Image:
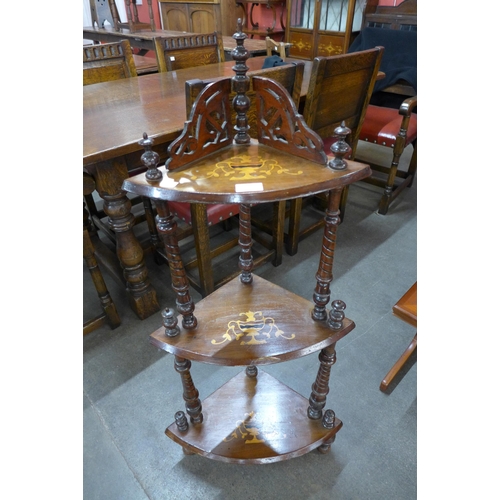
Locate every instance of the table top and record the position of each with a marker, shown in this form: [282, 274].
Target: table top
[406, 307]
[251, 44]
[117, 113]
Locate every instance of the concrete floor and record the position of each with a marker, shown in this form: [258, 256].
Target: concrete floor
[131, 390]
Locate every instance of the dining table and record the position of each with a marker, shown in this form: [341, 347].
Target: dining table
[144, 39]
[115, 116]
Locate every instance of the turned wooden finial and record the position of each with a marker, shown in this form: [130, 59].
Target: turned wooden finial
[340, 148]
[328, 419]
[241, 84]
[150, 159]
[181, 421]
[170, 323]
[336, 315]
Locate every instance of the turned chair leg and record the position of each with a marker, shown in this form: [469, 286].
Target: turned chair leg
[110, 314]
[412, 169]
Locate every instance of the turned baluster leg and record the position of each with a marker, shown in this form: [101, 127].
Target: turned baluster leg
[324, 276]
[320, 389]
[167, 228]
[142, 297]
[190, 394]
[128, 12]
[114, 15]
[109, 177]
[135, 12]
[245, 242]
[151, 16]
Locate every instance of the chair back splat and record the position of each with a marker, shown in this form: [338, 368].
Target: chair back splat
[108, 61]
[339, 91]
[187, 51]
[249, 321]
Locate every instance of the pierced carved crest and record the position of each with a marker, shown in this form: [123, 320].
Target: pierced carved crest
[208, 129]
[279, 124]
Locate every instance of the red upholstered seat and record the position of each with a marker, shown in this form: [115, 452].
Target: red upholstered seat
[382, 125]
[395, 129]
[215, 213]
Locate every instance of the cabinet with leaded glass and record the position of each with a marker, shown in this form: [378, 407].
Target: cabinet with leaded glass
[322, 27]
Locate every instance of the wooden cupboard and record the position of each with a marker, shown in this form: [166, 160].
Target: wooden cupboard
[322, 27]
[199, 16]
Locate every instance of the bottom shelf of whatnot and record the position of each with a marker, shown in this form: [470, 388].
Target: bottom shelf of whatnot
[255, 420]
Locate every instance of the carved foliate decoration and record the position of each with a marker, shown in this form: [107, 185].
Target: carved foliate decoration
[279, 124]
[208, 129]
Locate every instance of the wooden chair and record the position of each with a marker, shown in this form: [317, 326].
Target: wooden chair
[133, 23]
[249, 322]
[278, 48]
[405, 309]
[395, 129]
[202, 216]
[391, 119]
[109, 313]
[339, 91]
[186, 51]
[107, 61]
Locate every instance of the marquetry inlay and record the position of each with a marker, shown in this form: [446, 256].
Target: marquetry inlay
[248, 431]
[255, 329]
[330, 49]
[245, 167]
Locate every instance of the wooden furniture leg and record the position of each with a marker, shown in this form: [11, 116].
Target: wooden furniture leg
[109, 314]
[398, 365]
[202, 241]
[317, 400]
[109, 176]
[405, 309]
[193, 403]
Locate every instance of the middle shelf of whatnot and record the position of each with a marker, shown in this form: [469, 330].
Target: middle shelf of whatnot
[254, 323]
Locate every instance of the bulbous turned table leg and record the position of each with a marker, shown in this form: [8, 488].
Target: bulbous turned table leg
[142, 296]
[109, 176]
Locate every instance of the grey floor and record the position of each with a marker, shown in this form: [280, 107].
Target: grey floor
[131, 391]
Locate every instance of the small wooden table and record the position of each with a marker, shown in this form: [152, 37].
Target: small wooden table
[144, 39]
[115, 115]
